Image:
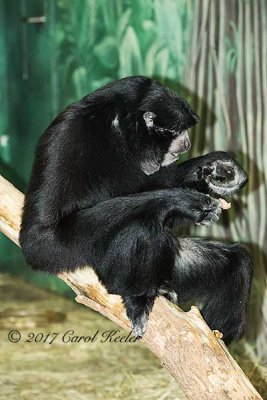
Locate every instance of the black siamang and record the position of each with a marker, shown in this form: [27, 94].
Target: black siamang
[105, 190]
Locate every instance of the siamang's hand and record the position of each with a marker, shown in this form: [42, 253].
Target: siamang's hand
[205, 209]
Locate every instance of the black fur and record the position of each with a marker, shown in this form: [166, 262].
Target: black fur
[99, 195]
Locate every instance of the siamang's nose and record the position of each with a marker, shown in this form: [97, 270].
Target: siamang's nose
[187, 144]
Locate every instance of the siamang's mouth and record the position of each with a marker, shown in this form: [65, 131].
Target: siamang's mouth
[181, 144]
[224, 189]
[221, 190]
[221, 193]
[183, 150]
[226, 186]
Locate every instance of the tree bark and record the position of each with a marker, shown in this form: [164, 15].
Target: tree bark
[185, 345]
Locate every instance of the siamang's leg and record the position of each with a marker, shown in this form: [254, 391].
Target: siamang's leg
[139, 253]
[138, 309]
[217, 277]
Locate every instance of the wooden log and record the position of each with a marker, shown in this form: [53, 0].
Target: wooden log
[185, 345]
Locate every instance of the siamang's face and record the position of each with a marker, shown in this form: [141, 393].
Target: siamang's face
[167, 121]
[225, 177]
[222, 177]
[177, 140]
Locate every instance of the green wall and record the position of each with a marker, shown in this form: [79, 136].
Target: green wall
[81, 46]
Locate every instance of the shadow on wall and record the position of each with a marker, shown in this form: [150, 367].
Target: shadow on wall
[239, 204]
[208, 117]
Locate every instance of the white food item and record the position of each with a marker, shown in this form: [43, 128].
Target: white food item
[224, 204]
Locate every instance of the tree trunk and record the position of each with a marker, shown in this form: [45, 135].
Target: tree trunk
[194, 355]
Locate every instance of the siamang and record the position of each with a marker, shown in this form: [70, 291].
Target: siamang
[105, 190]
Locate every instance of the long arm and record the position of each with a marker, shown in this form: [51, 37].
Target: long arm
[217, 167]
[86, 236]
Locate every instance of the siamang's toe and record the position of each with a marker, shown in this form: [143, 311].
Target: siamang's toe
[139, 325]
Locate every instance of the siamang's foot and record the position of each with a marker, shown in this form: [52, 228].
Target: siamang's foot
[138, 309]
[230, 323]
[168, 293]
[139, 325]
[210, 211]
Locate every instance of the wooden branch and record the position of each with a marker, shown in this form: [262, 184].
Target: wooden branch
[194, 355]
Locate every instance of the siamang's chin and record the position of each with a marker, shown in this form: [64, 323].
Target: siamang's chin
[169, 158]
[225, 190]
[220, 190]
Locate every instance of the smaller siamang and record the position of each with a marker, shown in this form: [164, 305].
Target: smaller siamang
[105, 190]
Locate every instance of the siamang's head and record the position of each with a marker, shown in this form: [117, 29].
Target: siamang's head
[165, 119]
[153, 120]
